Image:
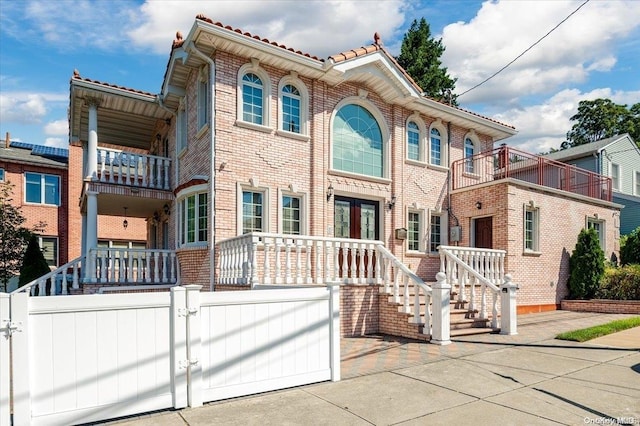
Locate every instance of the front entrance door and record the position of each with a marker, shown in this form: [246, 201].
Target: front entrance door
[484, 232]
[357, 219]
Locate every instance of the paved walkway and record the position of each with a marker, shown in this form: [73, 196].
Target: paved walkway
[530, 378]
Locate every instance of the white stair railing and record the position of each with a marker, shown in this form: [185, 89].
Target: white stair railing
[59, 280]
[132, 266]
[264, 258]
[127, 168]
[475, 272]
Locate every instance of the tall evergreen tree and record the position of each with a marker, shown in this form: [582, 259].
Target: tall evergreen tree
[420, 57]
[34, 264]
[586, 266]
[600, 119]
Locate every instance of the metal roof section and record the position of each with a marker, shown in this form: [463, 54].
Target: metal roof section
[586, 149]
[32, 154]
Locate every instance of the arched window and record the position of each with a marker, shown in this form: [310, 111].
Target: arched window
[357, 141]
[435, 154]
[469, 151]
[413, 141]
[252, 99]
[291, 109]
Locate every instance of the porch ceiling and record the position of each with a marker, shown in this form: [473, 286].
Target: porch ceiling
[125, 118]
[114, 204]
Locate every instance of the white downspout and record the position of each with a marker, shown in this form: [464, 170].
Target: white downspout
[212, 131]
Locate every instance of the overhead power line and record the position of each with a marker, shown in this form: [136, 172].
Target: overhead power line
[525, 51]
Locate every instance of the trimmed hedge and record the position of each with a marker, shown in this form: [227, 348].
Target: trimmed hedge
[620, 283]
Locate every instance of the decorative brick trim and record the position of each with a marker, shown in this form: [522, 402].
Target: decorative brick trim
[604, 306]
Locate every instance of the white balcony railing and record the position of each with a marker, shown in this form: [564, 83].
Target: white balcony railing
[126, 168]
[133, 266]
[57, 281]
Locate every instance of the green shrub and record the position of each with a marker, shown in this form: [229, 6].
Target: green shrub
[586, 266]
[620, 283]
[630, 247]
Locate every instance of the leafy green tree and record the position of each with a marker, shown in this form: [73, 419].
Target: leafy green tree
[630, 248]
[34, 265]
[586, 266]
[13, 236]
[600, 119]
[420, 57]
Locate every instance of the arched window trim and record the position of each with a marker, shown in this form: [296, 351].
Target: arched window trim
[470, 167]
[304, 107]
[422, 159]
[254, 68]
[384, 129]
[444, 147]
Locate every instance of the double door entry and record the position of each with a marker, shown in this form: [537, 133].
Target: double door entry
[356, 219]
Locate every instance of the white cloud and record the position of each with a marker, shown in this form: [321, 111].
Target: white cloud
[544, 126]
[57, 128]
[320, 28]
[502, 30]
[27, 108]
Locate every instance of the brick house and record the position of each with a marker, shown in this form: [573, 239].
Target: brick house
[257, 163]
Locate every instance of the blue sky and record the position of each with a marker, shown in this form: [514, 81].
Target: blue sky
[595, 53]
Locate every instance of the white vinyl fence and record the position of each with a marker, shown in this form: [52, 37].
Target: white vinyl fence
[87, 358]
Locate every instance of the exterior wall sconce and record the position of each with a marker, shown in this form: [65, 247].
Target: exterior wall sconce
[156, 217]
[125, 222]
[391, 203]
[329, 191]
[167, 210]
[478, 205]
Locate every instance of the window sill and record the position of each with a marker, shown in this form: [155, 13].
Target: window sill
[532, 253]
[438, 168]
[471, 175]
[415, 162]
[360, 177]
[202, 131]
[27, 203]
[293, 135]
[253, 126]
[193, 246]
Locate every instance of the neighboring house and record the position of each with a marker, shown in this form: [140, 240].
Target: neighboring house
[39, 178]
[617, 157]
[313, 160]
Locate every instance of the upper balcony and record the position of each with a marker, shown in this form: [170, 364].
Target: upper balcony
[132, 169]
[506, 162]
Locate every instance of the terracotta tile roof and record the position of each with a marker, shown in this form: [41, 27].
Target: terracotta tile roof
[76, 76]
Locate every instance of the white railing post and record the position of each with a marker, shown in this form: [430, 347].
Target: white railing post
[508, 316]
[178, 345]
[194, 346]
[266, 266]
[334, 330]
[309, 248]
[441, 322]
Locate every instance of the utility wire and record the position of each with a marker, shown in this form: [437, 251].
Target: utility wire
[525, 51]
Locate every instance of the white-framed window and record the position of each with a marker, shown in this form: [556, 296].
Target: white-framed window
[637, 183]
[193, 215]
[413, 141]
[42, 188]
[469, 152]
[292, 213]
[1, 174]
[438, 155]
[359, 139]
[203, 97]
[254, 94]
[254, 210]
[49, 248]
[599, 226]
[531, 229]
[437, 230]
[293, 101]
[182, 126]
[415, 224]
[615, 177]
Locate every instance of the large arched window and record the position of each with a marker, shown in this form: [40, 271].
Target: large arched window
[438, 148]
[413, 141]
[293, 102]
[357, 141]
[254, 96]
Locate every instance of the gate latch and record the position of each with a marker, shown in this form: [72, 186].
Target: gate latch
[11, 327]
[185, 312]
[186, 363]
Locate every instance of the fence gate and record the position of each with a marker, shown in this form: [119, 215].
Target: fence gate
[78, 359]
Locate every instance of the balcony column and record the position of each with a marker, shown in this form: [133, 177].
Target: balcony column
[91, 232]
[92, 145]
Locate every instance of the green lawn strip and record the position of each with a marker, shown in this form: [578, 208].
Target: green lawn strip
[599, 330]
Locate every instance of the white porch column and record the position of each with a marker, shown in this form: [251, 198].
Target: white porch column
[92, 146]
[440, 328]
[508, 316]
[91, 239]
